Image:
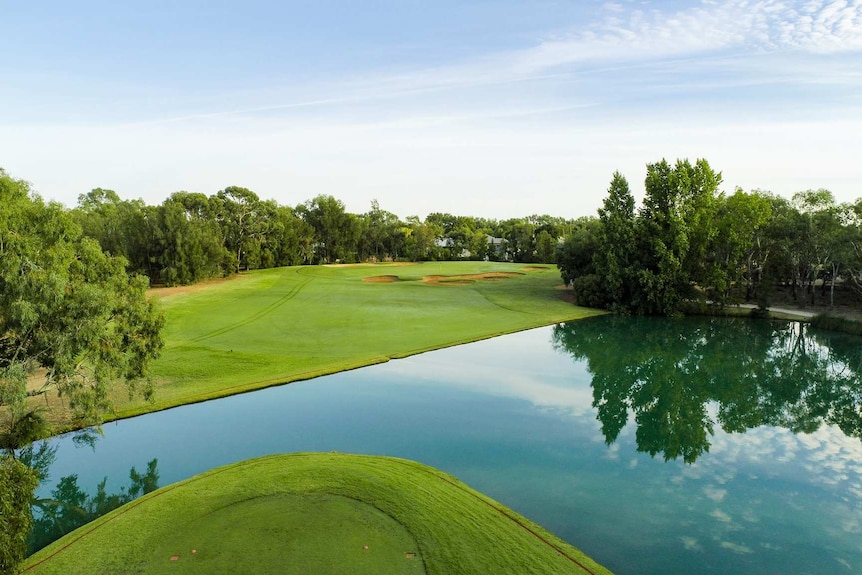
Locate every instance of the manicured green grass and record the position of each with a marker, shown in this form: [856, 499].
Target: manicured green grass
[313, 513]
[280, 325]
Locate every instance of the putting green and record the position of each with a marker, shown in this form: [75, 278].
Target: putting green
[313, 513]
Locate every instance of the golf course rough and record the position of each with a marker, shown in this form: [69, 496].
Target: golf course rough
[313, 513]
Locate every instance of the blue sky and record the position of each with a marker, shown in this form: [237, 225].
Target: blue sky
[498, 109]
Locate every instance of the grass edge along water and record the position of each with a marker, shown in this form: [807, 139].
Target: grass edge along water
[431, 523]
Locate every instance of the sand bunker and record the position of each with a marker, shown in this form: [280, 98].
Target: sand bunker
[381, 279]
[467, 279]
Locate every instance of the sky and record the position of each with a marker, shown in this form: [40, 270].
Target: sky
[487, 108]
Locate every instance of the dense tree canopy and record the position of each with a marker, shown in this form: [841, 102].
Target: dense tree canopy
[70, 319]
[68, 311]
[191, 237]
[690, 244]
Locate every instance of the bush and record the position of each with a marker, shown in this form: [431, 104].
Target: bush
[590, 292]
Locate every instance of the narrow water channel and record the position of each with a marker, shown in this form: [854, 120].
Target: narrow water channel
[657, 446]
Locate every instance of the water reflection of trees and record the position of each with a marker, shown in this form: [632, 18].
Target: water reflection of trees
[665, 372]
[70, 507]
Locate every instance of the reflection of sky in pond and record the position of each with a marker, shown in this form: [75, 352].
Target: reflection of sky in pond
[513, 418]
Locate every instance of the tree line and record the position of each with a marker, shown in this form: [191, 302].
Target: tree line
[192, 236]
[689, 242]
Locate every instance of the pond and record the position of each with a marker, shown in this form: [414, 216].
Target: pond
[657, 446]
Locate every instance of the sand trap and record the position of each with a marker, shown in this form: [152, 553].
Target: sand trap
[468, 279]
[388, 279]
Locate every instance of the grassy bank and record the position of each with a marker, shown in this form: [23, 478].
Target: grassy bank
[276, 326]
[313, 513]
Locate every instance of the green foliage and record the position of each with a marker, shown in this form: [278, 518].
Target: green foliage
[67, 307]
[676, 227]
[190, 243]
[575, 256]
[17, 485]
[336, 232]
[590, 291]
[616, 254]
[690, 243]
[545, 247]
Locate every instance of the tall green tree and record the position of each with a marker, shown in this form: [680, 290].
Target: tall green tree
[17, 484]
[66, 306]
[739, 250]
[336, 231]
[190, 247]
[122, 227]
[826, 237]
[676, 225]
[616, 254]
[239, 214]
[853, 246]
[69, 311]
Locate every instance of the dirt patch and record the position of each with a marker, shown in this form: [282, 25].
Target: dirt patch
[567, 296]
[36, 380]
[371, 264]
[467, 279]
[536, 268]
[381, 279]
[168, 291]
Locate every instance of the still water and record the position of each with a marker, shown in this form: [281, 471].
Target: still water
[655, 445]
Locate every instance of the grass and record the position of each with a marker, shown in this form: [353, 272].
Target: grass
[280, 325]
[313, 513]
[834, 322]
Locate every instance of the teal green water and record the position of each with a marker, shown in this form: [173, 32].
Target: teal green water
[655, 445]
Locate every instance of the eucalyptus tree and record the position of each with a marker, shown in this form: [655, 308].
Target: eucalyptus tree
[66, 307]
[190, 242]
[336, 231]
[739, 252]
[71, 317]
[290, 239]
[420, 237]
[826, 235]
[853, 247]
[124, 228]
[243, 225]
[381, 237]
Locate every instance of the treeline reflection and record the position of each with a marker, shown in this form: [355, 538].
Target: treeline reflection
[664, 372]
[70, 506]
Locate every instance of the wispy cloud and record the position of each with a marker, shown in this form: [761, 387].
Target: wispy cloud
[819, 27]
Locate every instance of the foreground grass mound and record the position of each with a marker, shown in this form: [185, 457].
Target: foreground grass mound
[280, 325]
[313, 513]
